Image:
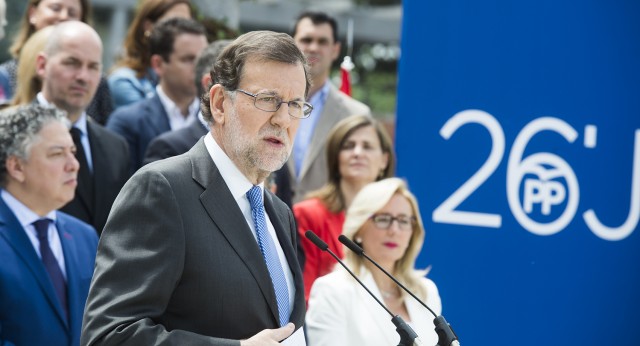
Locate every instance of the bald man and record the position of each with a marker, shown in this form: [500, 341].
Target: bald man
[70, 68]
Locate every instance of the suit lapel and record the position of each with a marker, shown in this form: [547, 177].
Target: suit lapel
[12, 231]
[219, 203]
[71, 263]
[101, 170]
[157, 120]
[328, 118]
[379, 317]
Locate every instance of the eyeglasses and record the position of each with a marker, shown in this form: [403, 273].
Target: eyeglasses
[271, 103]
[384, 221]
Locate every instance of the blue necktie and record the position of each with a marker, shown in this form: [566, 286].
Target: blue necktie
[50, 263]
[268, 249]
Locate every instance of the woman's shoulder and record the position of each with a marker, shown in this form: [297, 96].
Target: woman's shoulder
[310, 203]
[313, 206]
[433, 295]
[428, 283]
[122, 72]
[338, 282]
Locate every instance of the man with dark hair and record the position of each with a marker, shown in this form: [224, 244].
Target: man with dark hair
[180, 141]
[70, 67]
[175, 45]
[196, 251]
[46, 256]
[316, 34]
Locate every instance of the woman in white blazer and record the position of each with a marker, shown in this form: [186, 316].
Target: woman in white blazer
[384, 219]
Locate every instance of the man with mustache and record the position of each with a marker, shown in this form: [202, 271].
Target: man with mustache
[196, 251]
[70, 67]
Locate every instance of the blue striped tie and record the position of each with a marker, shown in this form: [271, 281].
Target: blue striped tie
[268, 249]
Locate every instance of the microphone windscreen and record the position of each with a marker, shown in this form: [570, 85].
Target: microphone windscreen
[351, 245]
[317, 241]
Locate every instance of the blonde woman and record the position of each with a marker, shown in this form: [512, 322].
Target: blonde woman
[384, 219]
[30, 83]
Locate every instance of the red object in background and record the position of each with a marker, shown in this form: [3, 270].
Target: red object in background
[345, 71]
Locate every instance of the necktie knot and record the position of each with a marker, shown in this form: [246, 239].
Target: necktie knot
[76, 134]
[42, 228]
[255, 197]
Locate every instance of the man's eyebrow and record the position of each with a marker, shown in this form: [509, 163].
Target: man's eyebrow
[56, 147]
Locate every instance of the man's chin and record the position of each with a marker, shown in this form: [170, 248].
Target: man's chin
[273, 165]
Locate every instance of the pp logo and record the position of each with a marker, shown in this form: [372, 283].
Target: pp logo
[543, 191]
[542, 175]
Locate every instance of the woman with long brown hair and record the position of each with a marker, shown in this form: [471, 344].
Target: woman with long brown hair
[359, 151]
[132, 78]
[40, 14]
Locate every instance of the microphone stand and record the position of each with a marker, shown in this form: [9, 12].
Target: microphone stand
[446, 335]
[407, 336]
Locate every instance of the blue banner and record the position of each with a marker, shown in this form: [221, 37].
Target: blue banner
[518, 129]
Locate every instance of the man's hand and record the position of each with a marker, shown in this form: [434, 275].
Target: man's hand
[270, 336]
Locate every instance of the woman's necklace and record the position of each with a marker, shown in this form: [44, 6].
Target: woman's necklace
[389, 294]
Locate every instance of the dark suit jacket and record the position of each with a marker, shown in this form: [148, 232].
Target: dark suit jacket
[30, 313]
[177, 263]
[139, 123]
[175, 142]
[110, 154]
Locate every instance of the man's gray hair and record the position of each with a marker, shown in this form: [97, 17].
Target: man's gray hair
[205, 62]
[20, 128]
[260, 46]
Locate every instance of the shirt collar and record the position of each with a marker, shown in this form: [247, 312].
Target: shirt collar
[171, 107]
[321, 95]
[24, 215]
[238, 184]
[80, 124]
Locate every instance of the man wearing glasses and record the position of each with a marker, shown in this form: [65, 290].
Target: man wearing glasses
[195, 250]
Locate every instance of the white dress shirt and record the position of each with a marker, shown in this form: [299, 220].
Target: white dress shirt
[26, 217]
[239, 185]
[177, 120]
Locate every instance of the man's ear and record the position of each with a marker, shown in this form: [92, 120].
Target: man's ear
[15, 168]
[217, 96]
[41, 63]
[336, 51]
[157, 64]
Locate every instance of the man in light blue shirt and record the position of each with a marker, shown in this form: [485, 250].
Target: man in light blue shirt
[316, 34]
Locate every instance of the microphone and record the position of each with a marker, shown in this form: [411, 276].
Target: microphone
[407, 336]
[446, 335]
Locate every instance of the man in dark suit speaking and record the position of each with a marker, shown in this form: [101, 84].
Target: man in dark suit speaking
[195, 250]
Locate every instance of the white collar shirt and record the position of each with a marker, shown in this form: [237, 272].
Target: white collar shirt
[177, 120]
[239, 185]
[27, 217]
